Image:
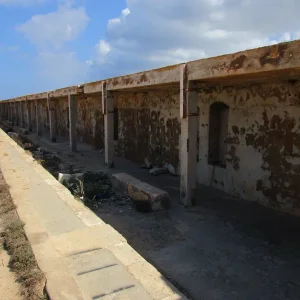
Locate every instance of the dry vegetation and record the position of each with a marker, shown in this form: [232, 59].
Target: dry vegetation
[13, 238]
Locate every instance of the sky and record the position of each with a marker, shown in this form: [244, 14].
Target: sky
[49, 44]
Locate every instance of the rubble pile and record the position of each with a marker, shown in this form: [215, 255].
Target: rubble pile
[48, 160]
[23, 141]
[158, 169]
[94, 189]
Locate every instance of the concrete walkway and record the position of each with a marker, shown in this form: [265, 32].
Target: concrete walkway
[81, 256]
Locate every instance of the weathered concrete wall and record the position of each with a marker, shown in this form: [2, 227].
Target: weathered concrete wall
[90, 123]
[62, 121]
[148, 126]
[263, 143]
[44, 116]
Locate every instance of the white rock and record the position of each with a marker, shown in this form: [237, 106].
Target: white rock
[62, 177]
[171, 169]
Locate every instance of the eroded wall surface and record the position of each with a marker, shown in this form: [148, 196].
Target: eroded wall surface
[263, 143]
[44, 116]
[148, 126]
[90, 121]
[62, 116]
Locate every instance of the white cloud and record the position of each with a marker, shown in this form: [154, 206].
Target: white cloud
[55, 28]
[102, 49]
[125, 12]
[162, 32]
[113, 22]
[61, 68]
[56, 66]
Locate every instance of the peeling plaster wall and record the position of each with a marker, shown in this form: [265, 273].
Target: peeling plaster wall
[62, 121]
[44, 116]
[90, 121]
[263, 143]
[149, 126]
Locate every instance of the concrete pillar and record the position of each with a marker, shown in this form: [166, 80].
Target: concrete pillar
[108, 111]
[72, 122]
[9, 111]
[21, 114]
[15, 118]
[29, 115]
[52, 119]
[13, 113]
[188, 146]
[38, 118]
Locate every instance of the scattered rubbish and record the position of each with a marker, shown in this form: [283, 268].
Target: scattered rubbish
[64, 168]
[93, 188]
[24, 131]
[66, 177]
[27, 146]
[157, 171]
[23, 141]
[41, 149]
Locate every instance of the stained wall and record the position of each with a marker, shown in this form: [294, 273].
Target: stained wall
[148, 126]
[263, 143]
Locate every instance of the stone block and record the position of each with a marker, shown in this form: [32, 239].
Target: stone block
[145, 196]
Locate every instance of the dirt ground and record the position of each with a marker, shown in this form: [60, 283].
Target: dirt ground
[222, 248]
[20, 277]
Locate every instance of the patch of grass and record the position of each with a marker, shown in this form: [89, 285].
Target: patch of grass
[22, 260]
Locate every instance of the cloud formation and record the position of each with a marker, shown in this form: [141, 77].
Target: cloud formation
[154, 33]
[55, 28]
[50, 33]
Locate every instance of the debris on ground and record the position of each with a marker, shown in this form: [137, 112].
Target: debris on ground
[147, 164]
[24, 131]
[157, 171]
[48, 160]
[6, 126]
[62, 177]
[171, 169]
[22, 141]
[93, 188]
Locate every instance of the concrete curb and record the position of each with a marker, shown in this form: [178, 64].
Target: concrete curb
[51, 252]
[146, 196]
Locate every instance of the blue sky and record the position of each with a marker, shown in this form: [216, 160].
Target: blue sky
[49, 44]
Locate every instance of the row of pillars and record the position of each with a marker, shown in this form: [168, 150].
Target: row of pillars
[14, 112]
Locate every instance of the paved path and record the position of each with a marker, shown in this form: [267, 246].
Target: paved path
[81, 256]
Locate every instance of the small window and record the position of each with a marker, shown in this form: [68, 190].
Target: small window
[218, 127]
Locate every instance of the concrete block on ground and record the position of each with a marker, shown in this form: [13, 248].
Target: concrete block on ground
[145, 196]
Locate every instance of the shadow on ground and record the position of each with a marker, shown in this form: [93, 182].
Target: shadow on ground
[222, 248]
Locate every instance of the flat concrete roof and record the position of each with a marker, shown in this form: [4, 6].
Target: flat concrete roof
[280, 61]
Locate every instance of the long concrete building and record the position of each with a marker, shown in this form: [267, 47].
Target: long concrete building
[231, 122]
